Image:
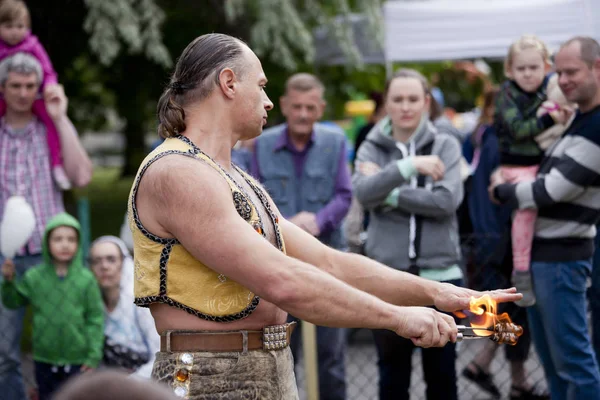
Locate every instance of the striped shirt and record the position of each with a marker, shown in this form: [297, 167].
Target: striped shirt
[25, 171]
[566, 193]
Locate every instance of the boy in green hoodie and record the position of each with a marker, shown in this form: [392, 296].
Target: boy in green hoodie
[67, 308]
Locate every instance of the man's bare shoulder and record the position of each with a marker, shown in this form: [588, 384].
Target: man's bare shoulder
[178, 170]
[182, 182]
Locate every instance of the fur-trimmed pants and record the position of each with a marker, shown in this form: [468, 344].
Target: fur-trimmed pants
[256, 375]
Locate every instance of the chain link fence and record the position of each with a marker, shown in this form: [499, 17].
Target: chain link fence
[362, 376]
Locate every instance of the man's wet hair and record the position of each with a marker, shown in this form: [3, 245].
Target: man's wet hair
[196, 75]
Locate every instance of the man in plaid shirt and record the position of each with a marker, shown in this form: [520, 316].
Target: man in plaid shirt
[25, 171]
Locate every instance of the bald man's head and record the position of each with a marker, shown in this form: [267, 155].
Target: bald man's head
[589, 49]
[577, 64]
[113, 385]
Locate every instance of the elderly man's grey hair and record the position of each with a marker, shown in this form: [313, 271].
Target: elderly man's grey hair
[21, 63]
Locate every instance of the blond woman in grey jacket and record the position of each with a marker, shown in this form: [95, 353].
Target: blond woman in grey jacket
[408, 177]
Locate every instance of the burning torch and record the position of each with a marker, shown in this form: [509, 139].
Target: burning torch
[486, 323]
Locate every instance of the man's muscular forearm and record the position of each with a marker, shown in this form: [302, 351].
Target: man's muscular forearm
[310, 294]
[390, 285]
[315, 296]
[402, 288]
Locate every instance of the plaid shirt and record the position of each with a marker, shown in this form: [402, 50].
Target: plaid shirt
[25, 171]
[516, 124]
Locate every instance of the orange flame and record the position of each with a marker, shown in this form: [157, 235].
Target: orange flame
[485, 315]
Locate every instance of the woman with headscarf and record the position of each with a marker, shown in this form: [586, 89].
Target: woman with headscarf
[131, 338]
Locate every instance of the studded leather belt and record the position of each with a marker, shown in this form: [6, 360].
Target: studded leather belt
[274, 337]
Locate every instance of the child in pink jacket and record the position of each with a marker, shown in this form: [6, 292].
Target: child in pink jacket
[16, 37]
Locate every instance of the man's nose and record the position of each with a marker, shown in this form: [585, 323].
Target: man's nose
[562, 80]
[268, 104]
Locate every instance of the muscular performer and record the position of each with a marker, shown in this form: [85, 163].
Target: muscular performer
[218, 265]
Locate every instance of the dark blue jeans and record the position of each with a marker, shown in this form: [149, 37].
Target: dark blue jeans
[331, 347]
[493, 276]
[50, 377]
[11, 326]
[559, 328]
[395, 367]
[594, 292]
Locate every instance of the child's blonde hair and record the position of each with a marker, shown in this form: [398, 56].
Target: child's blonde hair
[11, 10]
[523, 43]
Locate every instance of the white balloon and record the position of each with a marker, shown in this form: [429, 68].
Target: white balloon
[18, 223]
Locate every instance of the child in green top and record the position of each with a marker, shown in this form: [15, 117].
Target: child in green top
[67, 308]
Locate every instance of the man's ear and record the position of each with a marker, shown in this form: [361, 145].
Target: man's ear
[228, 82]
[283, 105]
[321, 109]
[596, 65]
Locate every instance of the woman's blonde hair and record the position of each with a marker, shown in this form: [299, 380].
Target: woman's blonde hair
[526, 42]
[407, 73]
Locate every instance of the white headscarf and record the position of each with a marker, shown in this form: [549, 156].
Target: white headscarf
[129, 311]
[127, 267]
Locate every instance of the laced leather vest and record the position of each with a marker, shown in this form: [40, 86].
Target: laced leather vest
[165, 272]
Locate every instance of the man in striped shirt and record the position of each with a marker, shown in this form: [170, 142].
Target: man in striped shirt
[567, 196]
[25, 171]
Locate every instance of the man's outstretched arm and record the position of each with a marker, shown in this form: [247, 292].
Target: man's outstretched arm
[192, 202]
[390, 285]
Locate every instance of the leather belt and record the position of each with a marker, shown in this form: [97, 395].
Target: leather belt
[274, 337]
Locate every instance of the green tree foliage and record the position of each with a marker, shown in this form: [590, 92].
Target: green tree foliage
[282, 29]
[135, 23]
[118, 53]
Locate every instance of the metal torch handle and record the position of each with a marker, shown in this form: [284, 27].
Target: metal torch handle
[460, 337]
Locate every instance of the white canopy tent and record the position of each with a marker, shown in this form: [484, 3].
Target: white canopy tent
[427, 30]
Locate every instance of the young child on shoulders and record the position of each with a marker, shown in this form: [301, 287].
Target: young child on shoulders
[67, 307]
[517, 125]
[16, 37]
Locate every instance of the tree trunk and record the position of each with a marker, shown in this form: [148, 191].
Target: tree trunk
[135, 97]
[135, 149]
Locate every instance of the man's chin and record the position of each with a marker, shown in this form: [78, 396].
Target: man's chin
[251, 134]
[302, 131]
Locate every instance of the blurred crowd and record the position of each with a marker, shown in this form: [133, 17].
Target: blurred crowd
[521, 185]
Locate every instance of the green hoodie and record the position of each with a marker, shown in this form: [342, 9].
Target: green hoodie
[68, 312]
